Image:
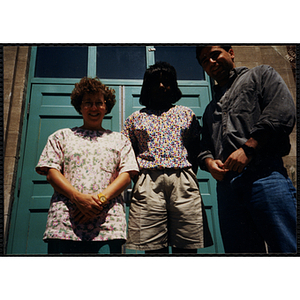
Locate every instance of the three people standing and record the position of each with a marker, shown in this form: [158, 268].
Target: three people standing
[245, 134]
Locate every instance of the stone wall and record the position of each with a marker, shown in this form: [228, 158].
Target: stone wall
[16, 64]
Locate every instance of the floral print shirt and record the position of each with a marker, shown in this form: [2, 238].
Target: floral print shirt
[90, 160]
[164, 138]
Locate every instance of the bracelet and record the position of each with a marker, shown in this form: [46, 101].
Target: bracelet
[249, 151]
[102, 199]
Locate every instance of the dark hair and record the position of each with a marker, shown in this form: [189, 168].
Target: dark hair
[149, 77]
[90, 86]
[199, 49]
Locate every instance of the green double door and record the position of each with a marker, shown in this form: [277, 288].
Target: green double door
[49, 109]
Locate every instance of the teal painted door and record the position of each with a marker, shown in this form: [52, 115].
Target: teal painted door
[52, 78]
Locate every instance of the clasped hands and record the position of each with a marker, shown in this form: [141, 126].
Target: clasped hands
[88, 206]
[235, 162]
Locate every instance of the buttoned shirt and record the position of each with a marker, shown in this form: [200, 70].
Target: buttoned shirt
[254, 103]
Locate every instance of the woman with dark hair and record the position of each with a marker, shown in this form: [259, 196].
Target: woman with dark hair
[151, 84]
[88, 167]
[166, 206]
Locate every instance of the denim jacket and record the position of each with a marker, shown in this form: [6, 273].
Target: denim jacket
[254, 103]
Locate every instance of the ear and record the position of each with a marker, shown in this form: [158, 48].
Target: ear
[231, 53]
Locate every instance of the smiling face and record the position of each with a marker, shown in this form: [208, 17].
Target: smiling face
[93, 110]
[217, 63]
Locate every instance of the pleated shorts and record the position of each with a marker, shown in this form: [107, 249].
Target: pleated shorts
[165, 210]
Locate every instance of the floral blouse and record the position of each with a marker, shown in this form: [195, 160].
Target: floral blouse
[164, 138]
[90, 160]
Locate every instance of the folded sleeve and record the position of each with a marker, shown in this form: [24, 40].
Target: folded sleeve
[128, 160]
[52, 155]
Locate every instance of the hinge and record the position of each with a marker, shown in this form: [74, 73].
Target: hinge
[151, 49]
[19, 186]
[28, 108]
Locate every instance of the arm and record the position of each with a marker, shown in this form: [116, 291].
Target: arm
[128, 131]
[192, 143]
[87, 204]
[277, 117]
[206, 157]
[270, 133]
[216, 168]
[238, 160]
[118, 185]
[115, 188]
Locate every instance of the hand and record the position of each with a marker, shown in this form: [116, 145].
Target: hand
[79, 216]
[88, 205]
[237, 161]
[216, 168]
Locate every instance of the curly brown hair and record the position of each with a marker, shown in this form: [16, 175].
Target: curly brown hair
[89, 86]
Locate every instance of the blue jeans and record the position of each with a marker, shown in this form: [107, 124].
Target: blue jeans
[258, 208]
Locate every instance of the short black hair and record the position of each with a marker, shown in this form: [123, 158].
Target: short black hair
[199, 49]
[151, 74]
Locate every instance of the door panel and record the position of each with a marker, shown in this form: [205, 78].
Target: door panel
[126, 62]
[132, 97]
[183, 59]
[61, 62]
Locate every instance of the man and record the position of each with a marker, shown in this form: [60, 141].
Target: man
[245, 134]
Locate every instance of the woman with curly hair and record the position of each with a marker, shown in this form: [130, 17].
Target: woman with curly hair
[166, 207]
[88, 167]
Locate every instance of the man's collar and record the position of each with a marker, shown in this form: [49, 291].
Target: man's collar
[232, 76]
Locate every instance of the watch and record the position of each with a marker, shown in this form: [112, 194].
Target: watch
[102, 199]
[249, 151]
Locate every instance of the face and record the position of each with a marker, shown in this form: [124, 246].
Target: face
[161, 91]
[93, 110]
[217, 63]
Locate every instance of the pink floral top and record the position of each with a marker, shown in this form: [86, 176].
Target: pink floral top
[90, 160]
[164, 138]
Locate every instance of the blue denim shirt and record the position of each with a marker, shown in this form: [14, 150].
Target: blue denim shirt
[254, 103]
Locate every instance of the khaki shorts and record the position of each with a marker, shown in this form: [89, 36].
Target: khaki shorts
[165, 210]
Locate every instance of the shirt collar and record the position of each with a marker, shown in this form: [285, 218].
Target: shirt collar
[233, 74]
